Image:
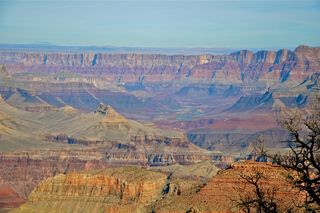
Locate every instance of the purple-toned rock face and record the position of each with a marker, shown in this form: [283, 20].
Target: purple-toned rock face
[172, 91]
[154, 86]
[236, 67]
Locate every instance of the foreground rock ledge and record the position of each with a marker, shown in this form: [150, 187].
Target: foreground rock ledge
[132, 189]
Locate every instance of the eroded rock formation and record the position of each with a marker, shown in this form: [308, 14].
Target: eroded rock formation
[237, 67]
[140, 190]
[222, 192]
[127, 189]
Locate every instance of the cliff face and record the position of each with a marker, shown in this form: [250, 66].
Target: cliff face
[223, 191]
[155, 87]
[104, 135]
[127, 189]
[131, 189]
[21, 172]
[237, 67]
[35, 146]
[228, 185]
[9, 198]
[111, 116]
[24, 170]
[128, 184]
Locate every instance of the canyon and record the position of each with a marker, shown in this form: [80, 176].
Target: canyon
[42, 145]
[241, 66]
[216, 99]
[119, 132]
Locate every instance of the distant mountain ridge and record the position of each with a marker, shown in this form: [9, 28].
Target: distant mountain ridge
[243, 66]
[47, 47]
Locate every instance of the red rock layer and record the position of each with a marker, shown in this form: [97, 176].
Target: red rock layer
[9, 198]
[221, 191]
[242, 66]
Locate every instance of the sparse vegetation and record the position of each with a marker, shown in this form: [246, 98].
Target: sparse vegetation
[304, 158]
[303, 162]
[260, 198]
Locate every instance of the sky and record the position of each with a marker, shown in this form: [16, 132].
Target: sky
[177, 23]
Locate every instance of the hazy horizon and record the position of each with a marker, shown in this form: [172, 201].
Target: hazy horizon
[166, 24]
[151, 47]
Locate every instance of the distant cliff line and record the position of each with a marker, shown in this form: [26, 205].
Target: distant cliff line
[240, 66]
[44, 47]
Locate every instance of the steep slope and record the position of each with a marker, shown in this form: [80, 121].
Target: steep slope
[26, 130]
[104, 130]
[221, 193]
[104, 124]
[18, 129]
[167, 89]
[205, 169]
[259, 102]
[121, 139]
[121, 188]
[131, 189]
[41, 145]
[127, 189]
[9, 198]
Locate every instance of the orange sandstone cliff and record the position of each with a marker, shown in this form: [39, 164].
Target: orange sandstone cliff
[132, 189]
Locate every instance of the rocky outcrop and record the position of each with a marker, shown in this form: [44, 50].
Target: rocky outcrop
[82, 141]
[104, 131]
[22, 171]
[38, 108]
[232, 140]
[113, 190]
[204, 170]
[153, 151]
[111, 116]
[128, 183]
[9, 198]
[222, 192]
[228, 185]
[127, 189]
[132, 189]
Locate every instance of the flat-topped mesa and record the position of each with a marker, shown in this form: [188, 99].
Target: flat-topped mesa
[129, 183]
[125, 189]
[111, 116]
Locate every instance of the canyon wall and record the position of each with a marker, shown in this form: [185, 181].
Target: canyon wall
[223, 192]
[126, 189]
[241, 66]
[132, 189]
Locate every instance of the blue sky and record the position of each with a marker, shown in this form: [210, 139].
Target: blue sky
[179, 23]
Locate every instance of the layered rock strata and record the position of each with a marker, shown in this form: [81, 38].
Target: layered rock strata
[237, 67]
[223, 192]
[127, 189]
[138, 190]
